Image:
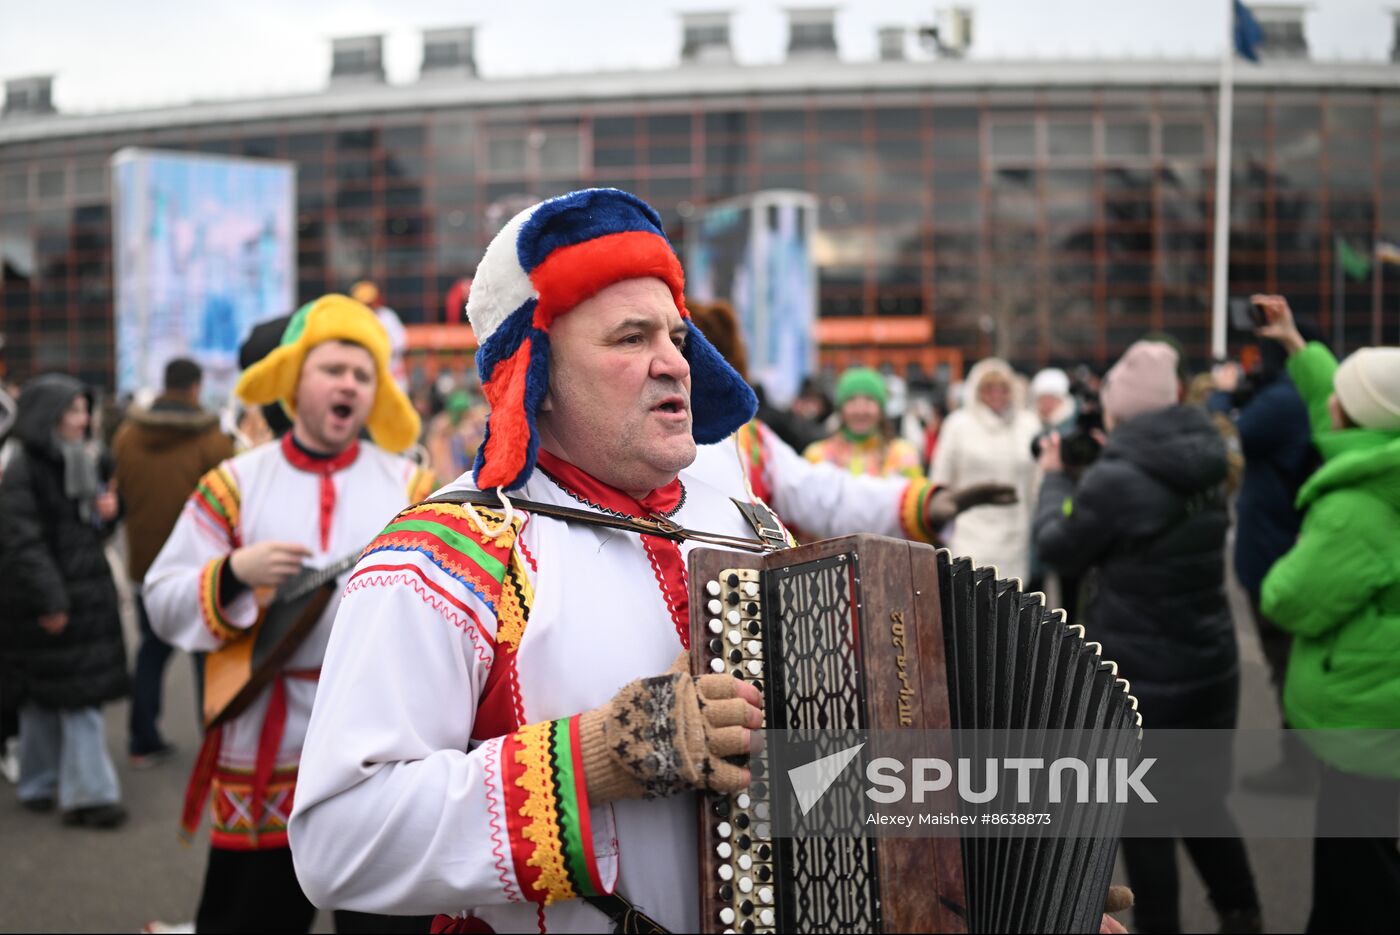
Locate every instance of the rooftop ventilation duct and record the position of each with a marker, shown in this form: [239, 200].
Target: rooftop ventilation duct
[705, 39]
[449, 53]
[812, 32]
[357, 60]
[891, 43]
[31, 96]
[1282, 23]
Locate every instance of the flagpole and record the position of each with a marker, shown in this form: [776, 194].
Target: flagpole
[1338, 302]
[1224, 125]
[1377, 278]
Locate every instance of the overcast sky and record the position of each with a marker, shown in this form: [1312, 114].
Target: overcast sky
[139, 53]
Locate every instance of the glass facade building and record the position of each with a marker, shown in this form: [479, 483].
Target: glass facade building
[1049, 212]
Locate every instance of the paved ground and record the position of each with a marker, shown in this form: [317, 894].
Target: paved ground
[57, 879]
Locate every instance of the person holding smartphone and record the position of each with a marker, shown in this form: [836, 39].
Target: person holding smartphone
[1338, 592]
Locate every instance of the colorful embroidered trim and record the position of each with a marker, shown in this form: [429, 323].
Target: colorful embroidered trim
[231, 809]
[217, 499]
[210, 610]
[755, 458]
[913, 511]
[547, 813]
[444, 534]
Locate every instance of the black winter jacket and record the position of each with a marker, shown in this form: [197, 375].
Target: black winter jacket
[1148, 521]
[52, 561]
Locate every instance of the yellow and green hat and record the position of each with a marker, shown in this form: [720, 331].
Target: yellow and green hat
[393, 423]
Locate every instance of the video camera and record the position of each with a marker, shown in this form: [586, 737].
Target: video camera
[1079, 446]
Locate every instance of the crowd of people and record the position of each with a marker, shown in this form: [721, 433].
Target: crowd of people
[595, 382]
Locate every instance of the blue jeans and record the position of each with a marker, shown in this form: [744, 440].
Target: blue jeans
[146, 688]
[63, 754]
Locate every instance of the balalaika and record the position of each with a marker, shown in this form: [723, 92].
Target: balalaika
[869, 633]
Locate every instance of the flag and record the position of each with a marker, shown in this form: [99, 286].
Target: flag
[1354, 264]
[1387, 252]
[1248, 33]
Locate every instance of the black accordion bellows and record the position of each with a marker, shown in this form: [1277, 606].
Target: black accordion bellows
[865, 633]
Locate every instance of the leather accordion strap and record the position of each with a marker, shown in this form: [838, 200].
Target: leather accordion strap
[627, 919]
[651, 526]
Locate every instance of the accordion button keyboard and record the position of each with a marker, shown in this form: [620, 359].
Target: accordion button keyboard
[740, 823]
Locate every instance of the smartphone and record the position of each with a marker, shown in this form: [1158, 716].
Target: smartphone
[1241, 314]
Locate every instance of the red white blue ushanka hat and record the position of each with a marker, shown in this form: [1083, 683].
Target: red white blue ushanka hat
[543, 263]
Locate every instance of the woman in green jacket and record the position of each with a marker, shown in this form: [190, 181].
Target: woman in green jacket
[1338, 592]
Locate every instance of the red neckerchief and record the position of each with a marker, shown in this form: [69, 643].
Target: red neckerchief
[324, 467]
[665, 555]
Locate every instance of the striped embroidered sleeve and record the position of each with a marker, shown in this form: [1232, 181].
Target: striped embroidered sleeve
[546, 810]
[824, 501]
[416, 745]
[181, 590]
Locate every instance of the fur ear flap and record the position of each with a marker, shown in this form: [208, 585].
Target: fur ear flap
[720, 399]
[514, 367]
[273, 378]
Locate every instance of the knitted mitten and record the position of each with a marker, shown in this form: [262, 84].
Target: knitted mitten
[667, 733]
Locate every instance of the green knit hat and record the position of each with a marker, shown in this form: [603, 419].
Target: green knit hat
[860, 381]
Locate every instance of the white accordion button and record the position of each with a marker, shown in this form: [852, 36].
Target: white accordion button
[745, 862]
[724, 850]
[715, 607]
[715, 626]
[755, 667]
[726, 872]
[712, 588]
[734, 637]
[755, 647]
[733, 617]
[765, 895]
[723, 830]
[761, 811]
[763, 831]
[743, 800]
[727, 916]
[751, 588]
[716, 665]
[766, 917]
[746, 885]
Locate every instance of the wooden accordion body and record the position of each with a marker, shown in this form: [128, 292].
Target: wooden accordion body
[870, 633]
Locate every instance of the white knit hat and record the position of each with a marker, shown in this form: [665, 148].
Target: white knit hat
[1052, 381]
[1368, 387]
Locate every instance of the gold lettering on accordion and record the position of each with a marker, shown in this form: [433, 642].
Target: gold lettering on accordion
[906, 690]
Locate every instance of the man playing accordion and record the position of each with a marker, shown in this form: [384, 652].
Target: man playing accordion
[503, 724]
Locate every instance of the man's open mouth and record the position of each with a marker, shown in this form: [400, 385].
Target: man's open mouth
[342, 410]
[671, 406]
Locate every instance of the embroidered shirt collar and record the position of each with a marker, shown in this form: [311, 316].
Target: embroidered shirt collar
[587, 489]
